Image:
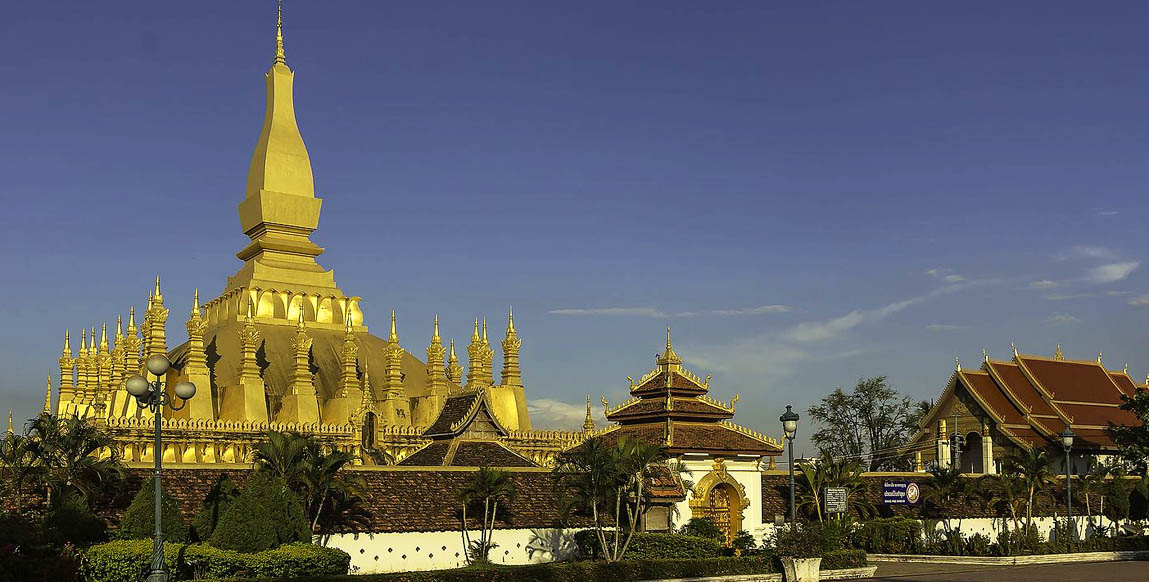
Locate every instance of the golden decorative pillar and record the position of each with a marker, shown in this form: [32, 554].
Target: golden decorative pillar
[487, 355]
[454, 370]
[508, 395]
[133, 357]
[81, 395]
[588, 424]
[475, 360]
[155, 322]
[396, 407]
[300, 404]
[48, 397]
[67, 387]
[202, 407]
[436, 386]
[118, 355]
[339, 410]
[105, 389]
[245, 401]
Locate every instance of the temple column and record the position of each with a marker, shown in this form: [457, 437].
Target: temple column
[943, 446]
[987, 464]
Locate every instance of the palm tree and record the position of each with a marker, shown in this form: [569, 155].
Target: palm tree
[72, 454]
[488, 486]
[1006, 493]
[832, 472]
[608, 482]
[946, 487]
[16, 457]
[1094, 484]
[1032, 466]
[283, 455]
[324, 482]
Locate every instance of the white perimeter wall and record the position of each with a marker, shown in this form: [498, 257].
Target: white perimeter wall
[400, 552]
[745, 472]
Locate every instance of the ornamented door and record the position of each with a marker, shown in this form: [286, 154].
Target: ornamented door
[720, 510]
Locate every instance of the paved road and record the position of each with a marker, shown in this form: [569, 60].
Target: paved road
[1077, 572]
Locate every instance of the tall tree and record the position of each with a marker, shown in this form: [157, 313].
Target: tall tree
[870, 422]
[486, 489]
[72, 454]
[1133, 441]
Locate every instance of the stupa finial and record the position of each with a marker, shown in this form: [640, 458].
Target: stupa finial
[280, 57]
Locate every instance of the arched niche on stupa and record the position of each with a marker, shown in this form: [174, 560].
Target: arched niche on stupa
[326, 313]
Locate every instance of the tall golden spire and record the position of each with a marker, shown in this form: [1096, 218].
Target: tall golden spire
[669, 358]
[511, 375]
[348, 357]
[436, 373]
[453, 369]
[10, 431]
[394, 358]
[48, 396]
[588, 424]
[280, 58]
[488, 358]
[475, 359]
[394, 335]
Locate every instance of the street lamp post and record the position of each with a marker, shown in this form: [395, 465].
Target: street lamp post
[1067, 436]
[790, 428]
[151, 395]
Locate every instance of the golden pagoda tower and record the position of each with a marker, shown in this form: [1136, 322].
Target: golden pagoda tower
[487, 358]
[588, 424]
[155, 324]
[300, 404]
[453, 369]
[342, 406]
[436, 385]
[202, 406]
[245, 400]
[508, 399]
[475, 360]
[48, 397]
[67, 387]
[395, 407]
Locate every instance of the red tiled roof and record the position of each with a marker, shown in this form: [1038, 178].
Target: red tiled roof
[713, 438]
[1124, 382]
[1016, 382]
[677, 382]
[1077, 381]
[1099, 415]
[682, 407]
[988, 391]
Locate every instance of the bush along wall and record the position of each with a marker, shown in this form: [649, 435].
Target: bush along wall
[140, 519]
[130, 559]
[652, 546]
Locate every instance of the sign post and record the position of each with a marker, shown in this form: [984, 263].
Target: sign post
[836, 499]
[901, 493]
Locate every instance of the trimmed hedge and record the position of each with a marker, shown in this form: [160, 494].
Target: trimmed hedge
[625, 571]
[890, 535]
[129, 559]
[652, 546]
[266, 515]
[842, 559]
[139, 520]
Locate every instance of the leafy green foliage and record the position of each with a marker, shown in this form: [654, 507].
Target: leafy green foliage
[871, 420]
[814, 478]
[72, 454]
[317, 476]
[139, 520]
[843, 559]
[129, 559]
[702, 527]
[73, 522]
[810, 540]
[215, 504]
[1133, 441]
[652, 546]
[486, 489]
[265, 515]
[891, 535]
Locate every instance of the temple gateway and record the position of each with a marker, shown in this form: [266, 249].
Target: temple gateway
[284, 348]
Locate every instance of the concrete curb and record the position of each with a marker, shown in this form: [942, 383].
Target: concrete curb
[842, 574]
[1012, 560]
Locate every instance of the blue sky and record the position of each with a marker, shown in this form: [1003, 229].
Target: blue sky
[808, 193]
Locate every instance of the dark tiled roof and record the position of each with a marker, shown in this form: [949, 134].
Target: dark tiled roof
[454, 410]
[487, 454]
[431, 455]
[1019, 385]
[713, 438]
[677, 382]
[664, 485]
[682, 407]
[1124, 382]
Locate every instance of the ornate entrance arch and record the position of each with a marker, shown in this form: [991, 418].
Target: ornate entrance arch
[721, 499]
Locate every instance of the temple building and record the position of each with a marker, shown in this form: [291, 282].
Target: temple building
[1023, 403]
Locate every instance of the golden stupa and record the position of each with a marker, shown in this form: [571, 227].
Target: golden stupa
[283, 347]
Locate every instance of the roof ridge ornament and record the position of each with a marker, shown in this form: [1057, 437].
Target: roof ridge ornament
[1058, 355]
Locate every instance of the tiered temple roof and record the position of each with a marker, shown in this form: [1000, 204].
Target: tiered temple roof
[1031, 399]
[467, 433]
[671, 407]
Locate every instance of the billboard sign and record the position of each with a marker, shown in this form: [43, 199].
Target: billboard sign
[901, 493]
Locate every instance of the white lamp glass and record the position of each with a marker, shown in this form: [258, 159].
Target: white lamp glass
[158, 364]
[185, 390]
[137, 386]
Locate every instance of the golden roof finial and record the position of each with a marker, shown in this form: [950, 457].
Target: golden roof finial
[10, 431]
[1057, 354]
[475, 334]
[511, 322]
[394, 337]
[435, 329]
[132, 320]
[83, 339]
[588, 424]
[452, 357]
[195, 303]
[1013, 347]
[104, 337]
[48, 396]
[347, 326]
[300, 325]
[485, 331]
[1098, 357]
[280, 57]
[158, 295]
[957, 363]
[119, 329]
[95, 348]
[985, 355]
[668, 357]
[67, 342]
[668, 338]
[1125, 370]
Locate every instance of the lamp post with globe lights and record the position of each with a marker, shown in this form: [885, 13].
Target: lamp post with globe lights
[152, 396]
[1067, 437]
[790, 429]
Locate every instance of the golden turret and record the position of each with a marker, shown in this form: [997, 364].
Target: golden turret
[475, 359]
[67, 385]
[588, 424]
[668, 358]
[82, 369]
[487, 356]
[118, 355]
[436, 374]
[155, 322]
[511, 375]
[301, 379]
[394, 381]
[48, 396]
[133, 359]
[453, 369]
[348, 357]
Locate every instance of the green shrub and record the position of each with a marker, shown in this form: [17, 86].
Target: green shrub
[702, 527]
[744, 542]
[890, 535]
[72, 521]
[140, 519]
[584, 571]
[809, 540]
[246, 526]
[1139, 500]
[652, 546]
[215, 504]
[282, 503]
[1117, 502]
[129, 559]
[979, 545]
[842, 559]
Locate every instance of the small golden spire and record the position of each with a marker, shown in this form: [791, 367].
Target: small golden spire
[668, 357]
[300, 325]
[985, 355]
[1013, 347]
[475, 334]
[511, 322]
[485, 341]
[435, 329]
[394, 337]
[48, 396]
[195, 304]
[957, 363]
[452, 357]
[83, 340]
[132, 320]
[1125, 370]
[280, 58]
[347, 324]
[67, 342]
[1057, 355]
[158, 296]
[119, 329]
[10, 431]
[1098, 357]
[103, 337]
[588, 424]
[95, 349]
[668, 348]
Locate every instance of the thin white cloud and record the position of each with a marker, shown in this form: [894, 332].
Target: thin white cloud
[660, 314]
[944, 327]
[1118, 293]
[953, 278]
[1107, 213]
[1085, 252]
[563, 415]
[1068, 296]
[1061, 319]
[1112, 272]
[945, 274]
[816, 331]
[1139, 301]
[1043, 284]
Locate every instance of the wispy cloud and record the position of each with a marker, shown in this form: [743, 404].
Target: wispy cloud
[1085, 252]
[945, 274]
[1107, 213]
[1139, 301]
[661, 314]
[816, 331]
[1068, 296]
[558, 414]
[1043, 284]
[1061, 319]
[944, 327]
[1112, 272]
